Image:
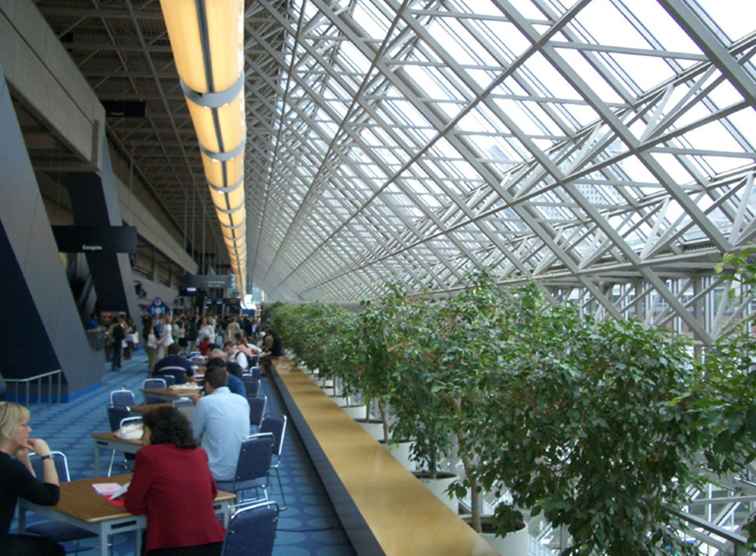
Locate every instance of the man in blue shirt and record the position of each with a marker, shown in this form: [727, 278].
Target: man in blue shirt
[221, 423]
[173, 359]
[234, 383]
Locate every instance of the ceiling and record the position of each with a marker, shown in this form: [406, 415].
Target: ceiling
[605, 151]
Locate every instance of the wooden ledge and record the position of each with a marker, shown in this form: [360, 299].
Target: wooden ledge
[383, 508]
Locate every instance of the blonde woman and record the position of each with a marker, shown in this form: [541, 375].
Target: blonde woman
[17, 480]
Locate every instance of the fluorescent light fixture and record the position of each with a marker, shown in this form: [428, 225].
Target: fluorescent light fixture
[207, 40]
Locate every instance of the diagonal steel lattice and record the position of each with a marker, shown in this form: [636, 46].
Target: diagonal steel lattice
[603, 148]
[606, 153]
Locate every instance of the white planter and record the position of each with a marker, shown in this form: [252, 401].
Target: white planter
[514, 544]
[341, 401]
[438, 488]
[375, 429]
[400, 451]
[356, 411]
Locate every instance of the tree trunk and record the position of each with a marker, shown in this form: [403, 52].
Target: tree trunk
[384, 421]
[475, 505]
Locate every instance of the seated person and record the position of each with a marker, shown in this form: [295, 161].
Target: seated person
[173, 359]
[235, 381]
[17, 480]
[172, 485]
[204, 346]
[233, 354]
[221, 423]
[217, 353]
[250, 350]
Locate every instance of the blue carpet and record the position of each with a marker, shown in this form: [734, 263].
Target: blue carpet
[308, 527]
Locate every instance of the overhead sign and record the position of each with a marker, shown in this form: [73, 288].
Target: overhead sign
[95, 239]
[207, 281]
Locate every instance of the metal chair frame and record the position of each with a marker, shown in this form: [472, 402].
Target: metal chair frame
[148, 399]
[124, 421]
[113, 393]
[277, 451]
[253, 401]
[241, 511]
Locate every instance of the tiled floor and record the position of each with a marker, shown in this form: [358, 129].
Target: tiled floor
[308, 527]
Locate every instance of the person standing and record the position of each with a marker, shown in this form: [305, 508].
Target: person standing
[166, 337]
[17, 480]
[117, 334]
[151, 346]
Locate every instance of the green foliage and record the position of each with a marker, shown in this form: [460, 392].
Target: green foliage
[599, 425]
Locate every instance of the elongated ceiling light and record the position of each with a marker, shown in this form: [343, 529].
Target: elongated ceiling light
[207, 39]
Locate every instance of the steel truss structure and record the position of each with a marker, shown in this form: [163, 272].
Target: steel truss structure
[603, 148]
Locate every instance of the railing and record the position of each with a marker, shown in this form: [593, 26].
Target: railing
[733, 543]
[38, 381]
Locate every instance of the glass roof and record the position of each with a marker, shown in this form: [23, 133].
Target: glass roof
[585, 144]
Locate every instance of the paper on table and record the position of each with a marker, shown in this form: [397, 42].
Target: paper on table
[122, 489]
[106, 489]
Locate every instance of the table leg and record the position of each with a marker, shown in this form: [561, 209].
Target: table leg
[21, 518]
[96, 459]
[103, 536]
[138, 541]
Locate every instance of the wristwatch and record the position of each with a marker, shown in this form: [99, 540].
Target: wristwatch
[48, 456]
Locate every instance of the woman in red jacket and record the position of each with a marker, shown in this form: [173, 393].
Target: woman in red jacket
[173, 486]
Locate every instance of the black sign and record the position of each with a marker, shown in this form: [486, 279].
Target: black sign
[96, 239]
[208, 281]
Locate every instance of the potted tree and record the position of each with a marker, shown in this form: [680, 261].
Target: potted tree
[607, 448]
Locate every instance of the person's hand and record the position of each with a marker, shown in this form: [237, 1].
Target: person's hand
[195, 398]
[39, 446]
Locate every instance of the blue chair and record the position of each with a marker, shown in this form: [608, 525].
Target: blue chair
[178, 373]
[253, 373]
[57, 531]
[257, 410]
[252, 386]
[277, 427]
[252, 467]
[128, 420]
[252, 530]
[122, 398]
[153, 383]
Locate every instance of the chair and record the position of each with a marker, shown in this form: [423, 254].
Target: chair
[153, 383]
[253, 465]
[122, 398]
[257, 410]
[277, 427]
[170, 380]
[253, 373]
[179, 373]
[252, 530]
[130, 420]
[56, 530]
[252, 386]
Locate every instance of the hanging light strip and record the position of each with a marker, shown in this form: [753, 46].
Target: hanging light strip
[207, 39]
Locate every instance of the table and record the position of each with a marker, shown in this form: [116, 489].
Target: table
[81, 506]
[111, 441]
[146, 407]
[170, 394]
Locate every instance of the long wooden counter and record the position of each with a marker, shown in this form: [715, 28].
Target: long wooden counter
[381, 505]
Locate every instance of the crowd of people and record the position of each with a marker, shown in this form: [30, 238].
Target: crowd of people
[183, 462]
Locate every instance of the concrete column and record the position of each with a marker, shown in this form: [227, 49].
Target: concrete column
[40, 328]
[94, 200]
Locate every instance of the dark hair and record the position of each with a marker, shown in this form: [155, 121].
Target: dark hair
[168, 426]
[234, 369]
[216, 376]
[215, 362]
[240, 338]
[173, 349]
[227, 343]
[212, 346]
